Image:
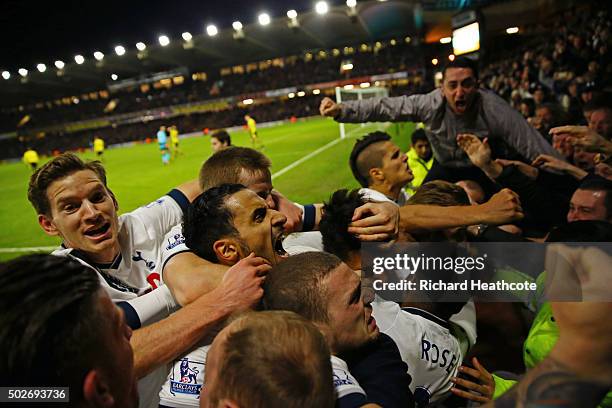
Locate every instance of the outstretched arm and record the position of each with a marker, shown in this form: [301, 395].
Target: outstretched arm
[382, 221]
[165, 340]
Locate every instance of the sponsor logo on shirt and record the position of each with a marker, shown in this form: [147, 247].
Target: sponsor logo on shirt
[341, 377]
[184, 378]
[175, 240]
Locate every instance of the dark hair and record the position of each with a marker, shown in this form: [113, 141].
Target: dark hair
[226, 166]
[208, 219]
[419, 135]
[49, 325]
[599, 184]
[462, 62]
[58, 168]
[530, 104]
[222, 136]
[337, 215]
[582, 231]
[362, 163]
[296, 285]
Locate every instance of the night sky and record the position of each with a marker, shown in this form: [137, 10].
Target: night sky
[43, 31]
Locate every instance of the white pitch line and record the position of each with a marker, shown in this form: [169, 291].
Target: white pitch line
[28, 249]
[316, 152]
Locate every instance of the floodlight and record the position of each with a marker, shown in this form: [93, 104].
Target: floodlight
[264, 19]
[163, 40]
[6, 74]
[247, 101]
[211, 30]
[119, 50]
[292, 14]
[445, 40]
[434, 61]
[79, 59]
[98, 55]
[291, 95]
[512, 30]
[237, 25]
[316, 91]
[114, 77]
[364, 85]
[301, 93]
[351, 3]
[41, 67]
[321, 7]
[141, 46]
[23, 72]
[59, 64]
[187, 36]
[451, 57]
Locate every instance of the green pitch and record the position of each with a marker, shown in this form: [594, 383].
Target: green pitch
[137, 176]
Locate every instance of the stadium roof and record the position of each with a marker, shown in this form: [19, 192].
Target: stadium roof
[372, 20]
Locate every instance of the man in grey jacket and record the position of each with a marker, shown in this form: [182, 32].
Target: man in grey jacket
[459, 106]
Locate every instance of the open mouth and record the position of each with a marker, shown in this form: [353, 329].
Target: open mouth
[460, 104]
[278, 247]
[98, 231]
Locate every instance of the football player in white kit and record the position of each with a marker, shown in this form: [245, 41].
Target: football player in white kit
[224, 225]
[425, 335]
[73, 202]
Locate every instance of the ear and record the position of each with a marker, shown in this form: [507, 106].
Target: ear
[96, 391]
[228, 251]
[225, 403]
[47, 225]
[376, 174]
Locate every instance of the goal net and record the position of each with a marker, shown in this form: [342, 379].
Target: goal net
[343, 95]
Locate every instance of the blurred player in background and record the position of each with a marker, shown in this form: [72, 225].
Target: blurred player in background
[220, 140]
[30, 157]
[162, 139]
[98, 147]
[252, 126]
[174, 138]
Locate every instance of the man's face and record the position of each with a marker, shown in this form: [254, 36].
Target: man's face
[601, 122]
[259, 227]
[117, 360]
[538, 96]
[216, 144]
[395, 165]
[545, 116]
[351, 323]
[84, 214]
[459, 87]
[587, 205]
[422, 149]
[260, 183]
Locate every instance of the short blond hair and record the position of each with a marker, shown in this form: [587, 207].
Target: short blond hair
[274, 359]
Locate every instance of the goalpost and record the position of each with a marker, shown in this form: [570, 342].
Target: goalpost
[358, 93]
